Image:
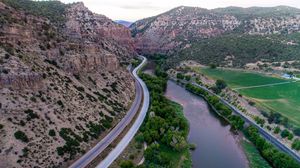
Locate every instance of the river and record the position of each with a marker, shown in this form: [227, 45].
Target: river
[217, 146]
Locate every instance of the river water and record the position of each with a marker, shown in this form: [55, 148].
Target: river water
[217, 146]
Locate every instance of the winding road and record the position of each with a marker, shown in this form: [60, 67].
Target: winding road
[142, 93]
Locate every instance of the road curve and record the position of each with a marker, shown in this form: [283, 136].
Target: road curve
[135, 127]
[263, 132]
[141, 90]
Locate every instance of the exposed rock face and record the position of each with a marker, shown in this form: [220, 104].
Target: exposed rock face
[176, 28]
[68, 79]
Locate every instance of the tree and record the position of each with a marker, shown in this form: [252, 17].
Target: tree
[285, 133]
[126, 164]
[180, 76]
[277, 130]
[297, 131]
[213, 66]
[52, 133]
[221, 84]
[188, 77]
[21, 136]
[291, 74]
[296, 144]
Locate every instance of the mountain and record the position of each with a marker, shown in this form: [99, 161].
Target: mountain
[124, 23]
[182, 29]
[63, 81]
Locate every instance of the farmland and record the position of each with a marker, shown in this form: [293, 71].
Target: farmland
[283, 98]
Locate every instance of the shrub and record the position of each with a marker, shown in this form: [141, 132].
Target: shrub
[180, 76]
[221, 84]
[21, 136]
[277, 130]
[126, 164]
[1, 126]
[212, 66]
[52, 133]
[296, 144]
[30, 114]
[285, 133]
[60, 103]
[33, 99]
[297, 131]
[188, 77]
[192, 146]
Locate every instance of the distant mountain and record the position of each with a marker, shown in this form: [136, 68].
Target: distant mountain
[123, 22]
[181, 29]
[182, 25]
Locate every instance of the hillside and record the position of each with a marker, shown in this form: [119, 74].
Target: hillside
[124, 22]
[238, 50]
[63, 81]
[190, 27]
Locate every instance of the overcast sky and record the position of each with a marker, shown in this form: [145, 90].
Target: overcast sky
[132, 10]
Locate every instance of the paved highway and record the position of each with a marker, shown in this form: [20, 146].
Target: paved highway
[142, 93]
[263, 132]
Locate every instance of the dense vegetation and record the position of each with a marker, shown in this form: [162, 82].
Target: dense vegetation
[53, 10]
[165, 129]
[253, 155]
[236, 121]
[244, 49]
[275, 157]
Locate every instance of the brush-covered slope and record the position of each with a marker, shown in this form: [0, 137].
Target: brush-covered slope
[63, 81]
[187, 28]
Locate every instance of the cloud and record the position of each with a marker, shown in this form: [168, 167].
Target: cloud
[132, 10]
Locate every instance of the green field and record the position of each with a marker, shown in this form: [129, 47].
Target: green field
[253, 156]
[284, 99]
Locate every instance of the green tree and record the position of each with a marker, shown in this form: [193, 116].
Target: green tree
[52, 133]
[285, 133]
[21, 136]
[126, 164]
[296, 144]
[180, 76]
[221, 84]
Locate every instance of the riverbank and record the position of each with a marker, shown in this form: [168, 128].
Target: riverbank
[165, 131]
[217, 145]
[267, 150]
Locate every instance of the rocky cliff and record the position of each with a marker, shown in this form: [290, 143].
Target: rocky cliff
[63, 82]
[179, 27]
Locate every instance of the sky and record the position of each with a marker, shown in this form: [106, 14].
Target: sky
[132, 10]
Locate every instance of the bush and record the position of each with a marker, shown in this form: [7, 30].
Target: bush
[60, 103]
[221, 84]
[30, 114]
[1, 126]
[277, 130]
[275, 157]
[188, 77]
[21, 136]
[192, 146]
[296, 144]
[52, 133]
[180, 76]
[126, 164]
[285, 133]
[297, 131]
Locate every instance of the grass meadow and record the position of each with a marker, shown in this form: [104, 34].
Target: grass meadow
[284, 98]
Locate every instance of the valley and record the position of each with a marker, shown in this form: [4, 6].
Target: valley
[189, 87]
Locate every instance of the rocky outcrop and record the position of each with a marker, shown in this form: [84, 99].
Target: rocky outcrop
[67, 78]
[179, 27]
